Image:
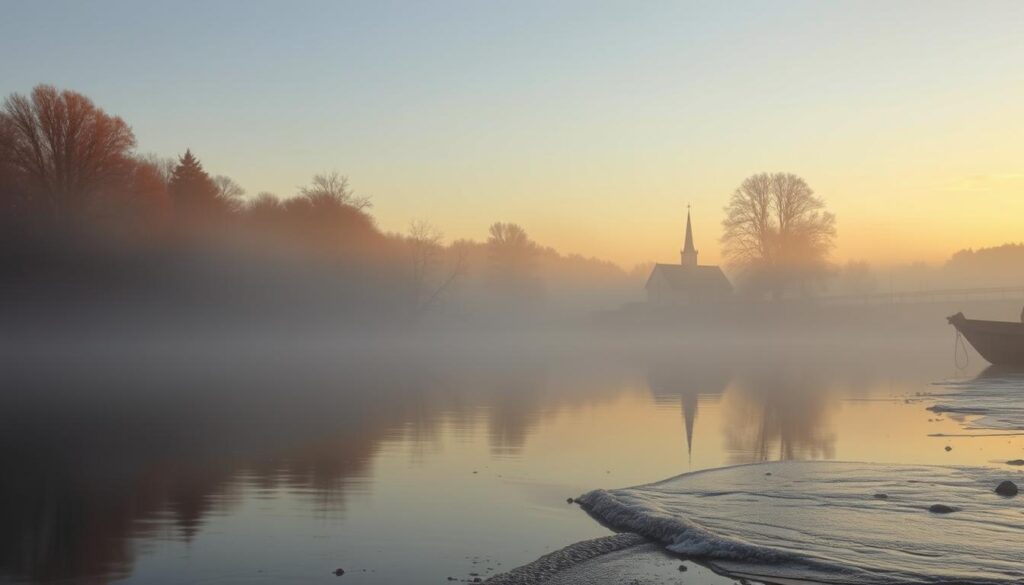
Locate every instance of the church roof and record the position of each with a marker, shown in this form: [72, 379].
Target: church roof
[707, 279]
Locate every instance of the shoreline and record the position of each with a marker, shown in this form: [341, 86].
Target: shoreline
[613, 560]
[789, 523]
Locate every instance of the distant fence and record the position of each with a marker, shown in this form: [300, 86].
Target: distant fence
[926, 296]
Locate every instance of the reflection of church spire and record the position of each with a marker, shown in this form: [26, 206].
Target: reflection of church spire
[689, 404]
[680, 384]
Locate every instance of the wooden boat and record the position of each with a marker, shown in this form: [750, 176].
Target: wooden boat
[999, 342]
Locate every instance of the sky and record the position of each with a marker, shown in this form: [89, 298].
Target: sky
[592, 124]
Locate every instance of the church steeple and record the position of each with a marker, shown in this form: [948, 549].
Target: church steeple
[688, 257]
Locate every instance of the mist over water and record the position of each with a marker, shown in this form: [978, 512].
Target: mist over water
[416, 455]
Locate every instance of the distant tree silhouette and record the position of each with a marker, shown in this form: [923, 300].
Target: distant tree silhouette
[429, 278]
[332, 190]
[164, 165]
[265, 210]
[196, 196]
[229, 192]
[997, 265]
[425, 250]
[777, 232]
[512, 260]
[11, 196]
[330, 218]
[66, 150]
[142, 202]
[509, 238]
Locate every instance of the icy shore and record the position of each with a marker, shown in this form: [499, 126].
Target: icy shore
[828, 522]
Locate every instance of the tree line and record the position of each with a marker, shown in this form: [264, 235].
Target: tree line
[79, 203]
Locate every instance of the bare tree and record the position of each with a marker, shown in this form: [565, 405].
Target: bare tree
[512, 260]
[427, 255]
[227, 188]
[163, 164]
[335, 187]
[11, 196]
[425, 250]
[265, 203]
[508, 235]
[229, 192]
[65, 146]
[327, 215]
[777, 231]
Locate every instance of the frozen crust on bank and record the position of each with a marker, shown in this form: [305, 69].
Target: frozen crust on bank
[827, 522]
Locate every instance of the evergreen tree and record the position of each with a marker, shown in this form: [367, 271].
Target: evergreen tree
[194, 192]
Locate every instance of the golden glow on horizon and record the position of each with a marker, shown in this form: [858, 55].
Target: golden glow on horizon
[937, 181]
[924, 221]
[905, 118]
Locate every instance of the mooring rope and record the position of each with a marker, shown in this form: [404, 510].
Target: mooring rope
[959, 344]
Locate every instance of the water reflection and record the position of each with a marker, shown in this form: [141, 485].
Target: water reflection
[102, 461]
[96, 456]
[770, 409]
[686, 380]
[91, 464]
[781, 412]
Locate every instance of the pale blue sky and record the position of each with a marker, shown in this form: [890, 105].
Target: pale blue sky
[590, 123]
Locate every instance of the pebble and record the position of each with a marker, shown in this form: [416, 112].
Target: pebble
[568, 500]
[682, 568]
[1015, 462]
[1007, 488]
[338, 572]
[942, 509]
[881, 496]
[948, 448]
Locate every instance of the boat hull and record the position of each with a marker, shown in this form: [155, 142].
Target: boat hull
[999, 342]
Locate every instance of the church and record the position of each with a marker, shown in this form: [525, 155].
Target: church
[687, 282]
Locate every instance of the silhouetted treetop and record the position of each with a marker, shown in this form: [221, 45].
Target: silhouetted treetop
[777, 231]
[229, 191]
[512, 262]
[508, 236]
[332, 190]
[997, 265]
[65, 148]
[266, 208]
[195, 194]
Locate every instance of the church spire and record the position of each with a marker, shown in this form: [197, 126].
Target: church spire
[688, 257]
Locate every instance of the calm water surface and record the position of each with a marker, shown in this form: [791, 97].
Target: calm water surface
[280, 466]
